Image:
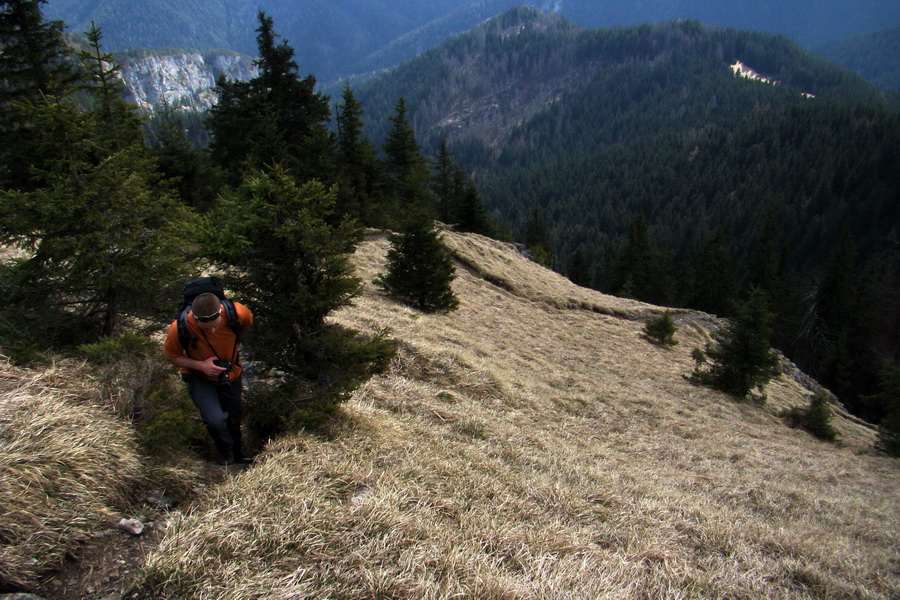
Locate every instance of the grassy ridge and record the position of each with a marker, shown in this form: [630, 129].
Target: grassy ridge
[533, 445]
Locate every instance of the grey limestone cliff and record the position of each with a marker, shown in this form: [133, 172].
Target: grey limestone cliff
[183, 79]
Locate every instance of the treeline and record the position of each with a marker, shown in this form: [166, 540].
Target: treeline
[658, 174]
[101, 229]
[679, 184]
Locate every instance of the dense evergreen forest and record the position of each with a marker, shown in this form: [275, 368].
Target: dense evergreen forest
[875, 56]
[101, 225]
[334, 39]
[337, 39]
[633, 160]
[652, 170]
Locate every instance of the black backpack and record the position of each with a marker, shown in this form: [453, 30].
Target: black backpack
[194, 288]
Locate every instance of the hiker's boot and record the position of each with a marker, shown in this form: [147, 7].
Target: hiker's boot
[234, 428]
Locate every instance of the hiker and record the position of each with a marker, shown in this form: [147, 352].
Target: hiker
[206, 350]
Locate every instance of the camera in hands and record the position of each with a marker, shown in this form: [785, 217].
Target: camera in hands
[223, 376]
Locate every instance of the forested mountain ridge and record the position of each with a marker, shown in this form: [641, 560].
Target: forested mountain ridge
[875, 56]
[651, 169]
[336, 39]
[484, 83]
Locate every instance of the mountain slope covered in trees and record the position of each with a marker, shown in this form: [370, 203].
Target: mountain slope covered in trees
[335, 39]
[875, 56]
[651, 165]
[531, 441]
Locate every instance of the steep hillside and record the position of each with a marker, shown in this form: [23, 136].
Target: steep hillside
[533, 444]
[875, 56]
[182, 79]
[486, 83]
[336, 39]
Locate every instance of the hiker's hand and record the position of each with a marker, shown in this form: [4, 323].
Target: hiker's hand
[211, 370]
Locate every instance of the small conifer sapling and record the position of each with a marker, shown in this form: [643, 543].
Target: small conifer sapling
[743, 359]
[419, 269]
[661, 329]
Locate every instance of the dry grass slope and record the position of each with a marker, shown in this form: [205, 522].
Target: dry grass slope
[66, 466]
[530, 445]
[533, 445]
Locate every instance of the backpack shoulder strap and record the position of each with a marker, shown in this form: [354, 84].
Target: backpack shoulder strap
[234, 323]
[184, 335]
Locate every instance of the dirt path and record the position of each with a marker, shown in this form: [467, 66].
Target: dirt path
[109, 565]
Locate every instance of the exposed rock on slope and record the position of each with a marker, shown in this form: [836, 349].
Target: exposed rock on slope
[183, 79]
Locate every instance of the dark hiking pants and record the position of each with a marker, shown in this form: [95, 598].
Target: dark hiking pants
[220, 409]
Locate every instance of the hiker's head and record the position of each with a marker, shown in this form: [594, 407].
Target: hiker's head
[206, 309]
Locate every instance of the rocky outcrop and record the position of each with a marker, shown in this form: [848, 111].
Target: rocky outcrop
[183, 79]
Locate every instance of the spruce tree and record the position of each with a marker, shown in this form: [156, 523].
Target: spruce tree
[472, 216]
[445, 185]
[276, 117]
[189, 168]
[103, 237]
[888, 399]
[457, 201]
[661, 329]
[35, 62]
[742, 359]
[36, 59]
[118, 123]
[632, 271]
[837, 339]
[767, 268]
[713, 281]
[290, 263]
[407, 169]
[419, 269]
[359, 171]
[815, 418]
[537, 240]
[578, 270]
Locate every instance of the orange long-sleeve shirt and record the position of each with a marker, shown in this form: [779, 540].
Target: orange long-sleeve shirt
[220, 344]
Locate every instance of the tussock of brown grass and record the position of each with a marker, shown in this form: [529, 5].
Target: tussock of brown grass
[533, 444]
[65, 464]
